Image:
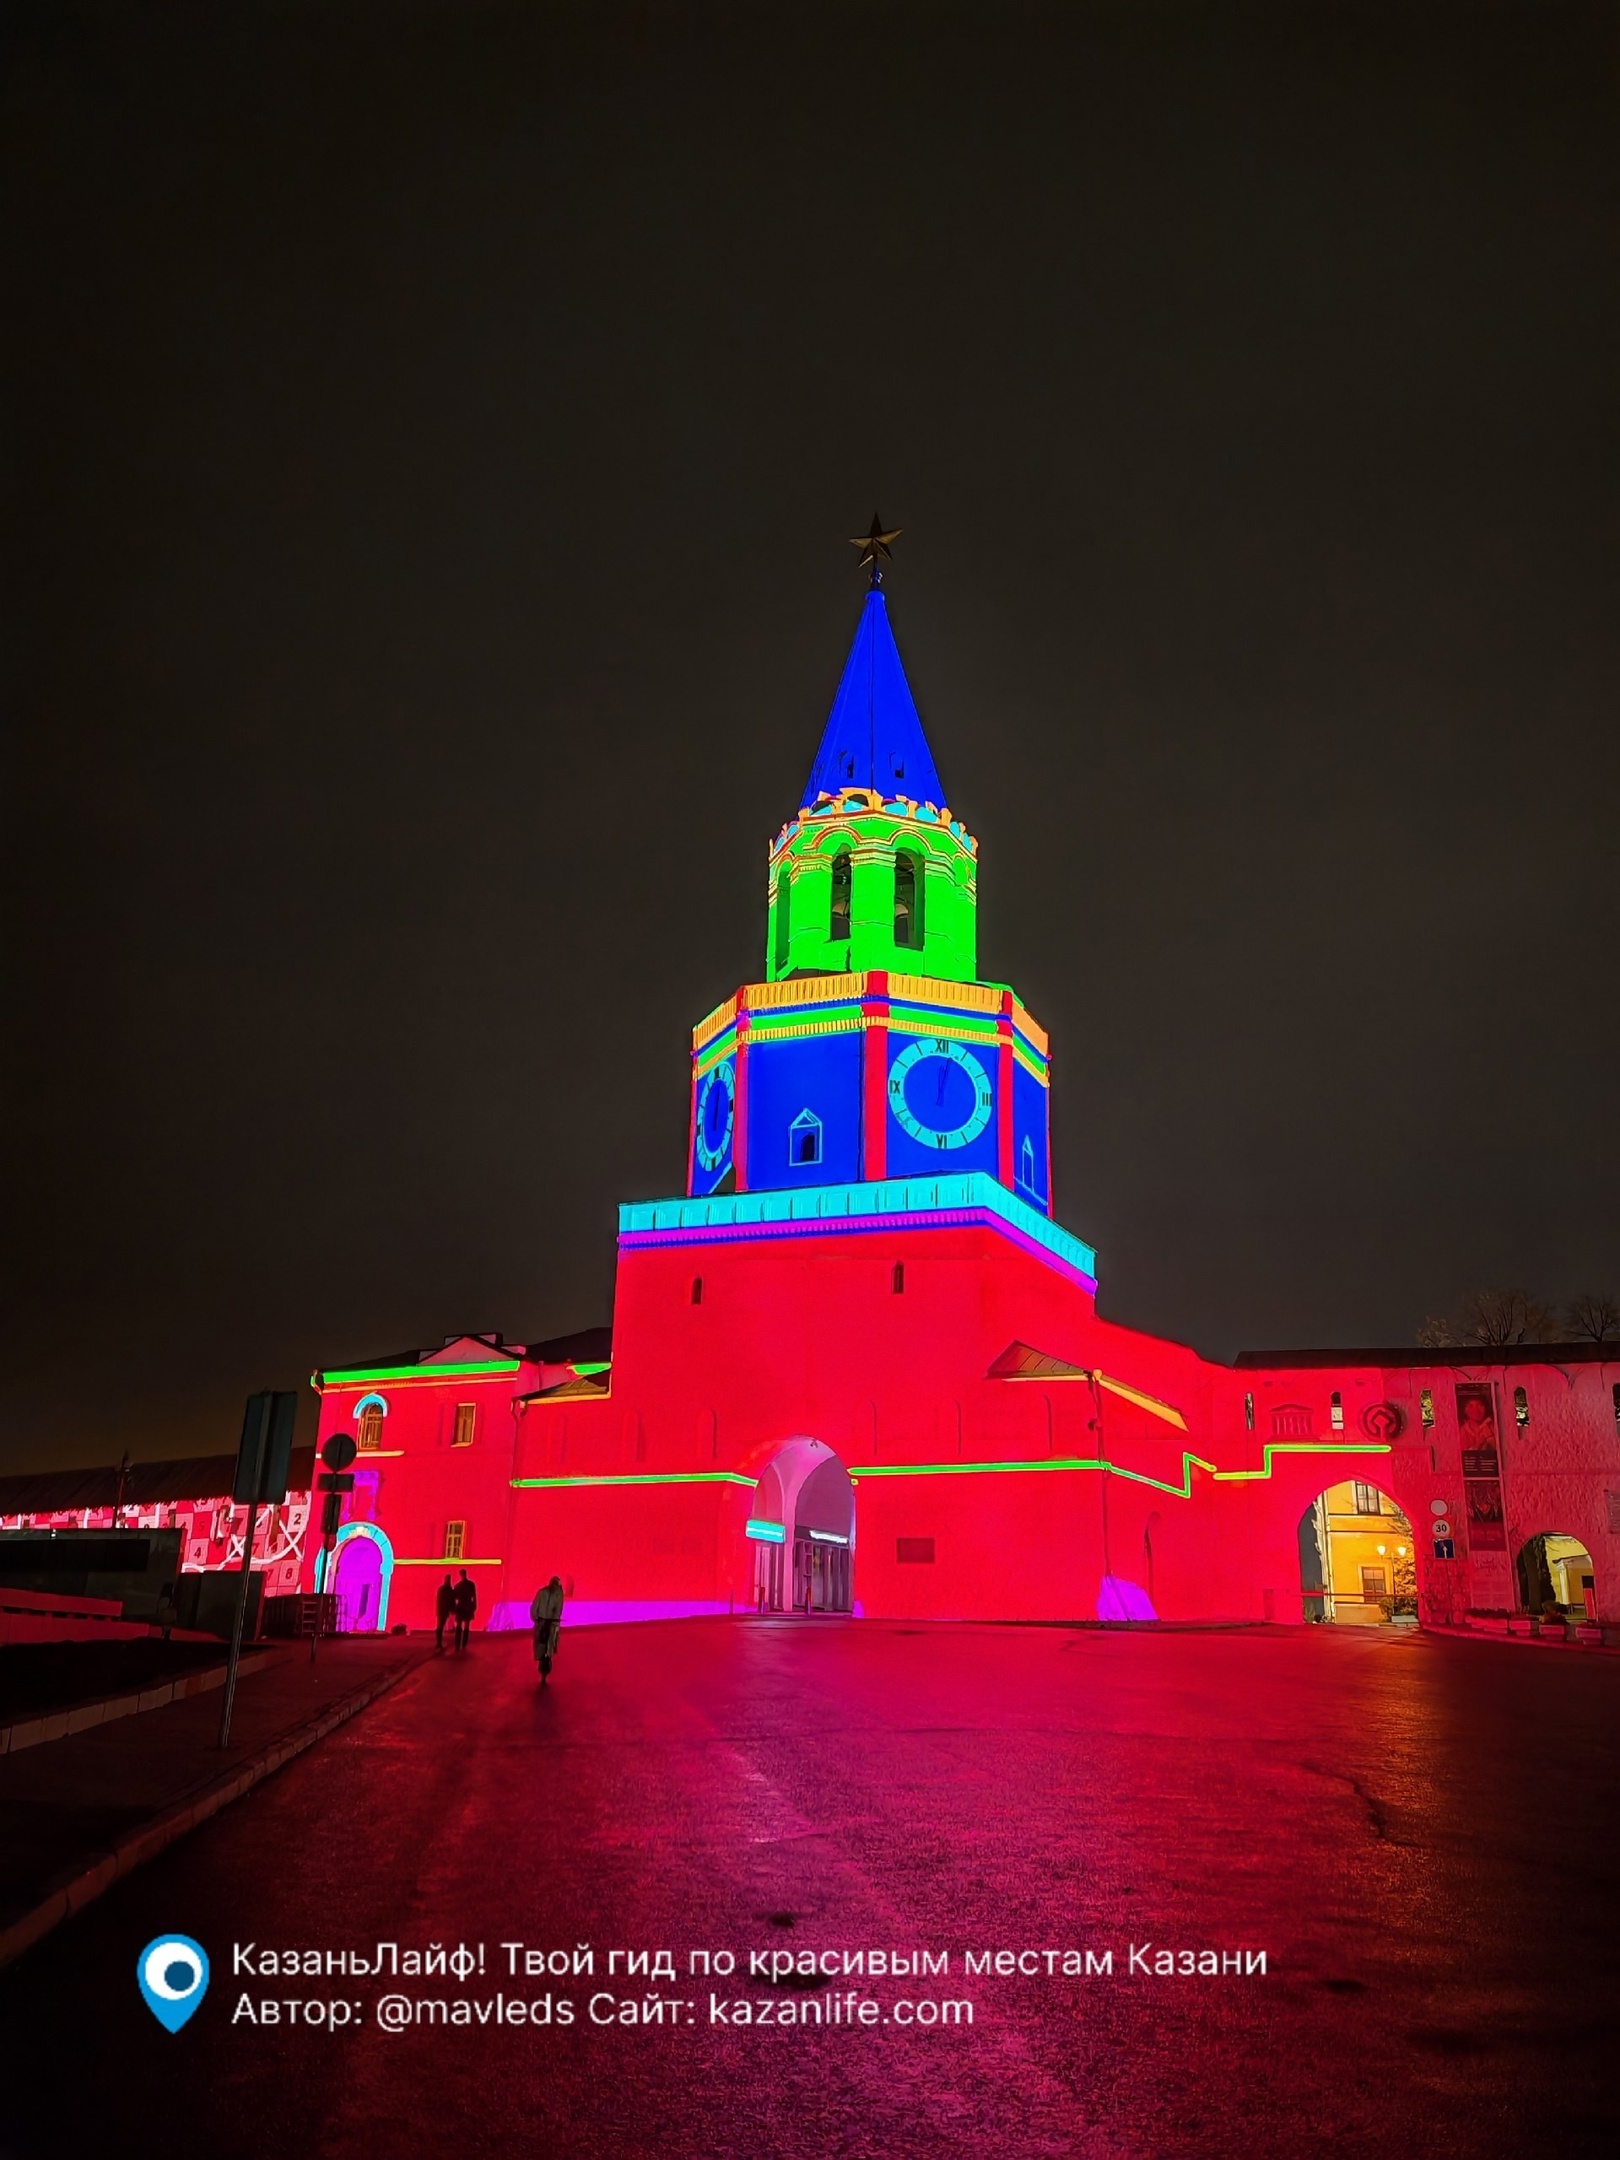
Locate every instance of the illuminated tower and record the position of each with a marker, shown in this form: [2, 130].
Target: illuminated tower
[871, 1051]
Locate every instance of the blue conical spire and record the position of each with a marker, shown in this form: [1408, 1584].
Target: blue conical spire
[873, 737]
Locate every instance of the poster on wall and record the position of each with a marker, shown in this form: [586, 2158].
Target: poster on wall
[1476, 1427]
[1486, 1530]
[1482, 1466]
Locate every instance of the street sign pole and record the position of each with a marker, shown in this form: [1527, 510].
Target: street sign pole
[262, 1457]
[337, 1452]
[237, 1624]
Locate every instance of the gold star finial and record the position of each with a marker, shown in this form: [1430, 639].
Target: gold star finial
[874, 547]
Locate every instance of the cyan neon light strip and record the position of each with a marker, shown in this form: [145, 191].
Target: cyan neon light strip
[650, 1477]
[924, 1203]
[1183, 1491]
[764, 1533]
[355, 1376]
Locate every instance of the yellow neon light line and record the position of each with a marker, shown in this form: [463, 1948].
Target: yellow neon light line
[1150, 1403]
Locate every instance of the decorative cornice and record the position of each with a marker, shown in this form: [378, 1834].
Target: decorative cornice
[867, 802]
[972, 1199]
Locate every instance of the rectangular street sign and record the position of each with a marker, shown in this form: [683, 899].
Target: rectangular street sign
[264, 1453]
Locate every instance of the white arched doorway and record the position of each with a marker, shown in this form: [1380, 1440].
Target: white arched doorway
[803, 1531]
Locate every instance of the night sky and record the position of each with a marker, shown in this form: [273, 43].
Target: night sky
[432, 436]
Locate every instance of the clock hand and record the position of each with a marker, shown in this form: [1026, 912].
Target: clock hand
[944, 1075]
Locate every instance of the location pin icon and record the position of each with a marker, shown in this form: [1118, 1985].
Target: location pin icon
[173, 1973]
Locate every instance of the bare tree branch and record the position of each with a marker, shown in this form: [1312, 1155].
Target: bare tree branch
[1593, 1316]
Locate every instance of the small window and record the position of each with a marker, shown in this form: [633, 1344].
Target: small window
[908, 887]
[804, 1139]
[455, 1540]
[1617, 1407]
[1248, 1412]
[784, 887]
[1336, 1411]
[1374, 1584]
[914, 1551]
[843, 886]
[1026, 1164]
[697, 1289]
[1521, 1408]
[371, 1427]
[897, 1277]
[1366, 1499]
[462, 1433]
[1426, 1406]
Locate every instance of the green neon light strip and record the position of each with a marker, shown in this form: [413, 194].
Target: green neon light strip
[651, 1477]
[715, 1052]
[354, 1375]
[1183, 1491]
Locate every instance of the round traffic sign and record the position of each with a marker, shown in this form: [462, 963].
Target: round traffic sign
[339, 1451]
[1438, 1507]
[1442, 1528]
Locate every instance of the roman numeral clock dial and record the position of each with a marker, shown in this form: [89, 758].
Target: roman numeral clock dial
[940, 1093]
[716, 1115]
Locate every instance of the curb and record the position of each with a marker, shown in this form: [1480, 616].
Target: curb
[151, 1839]
[63, 1724]
[1529, 1642]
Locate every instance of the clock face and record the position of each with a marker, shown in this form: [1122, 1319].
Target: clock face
[716, 1114]
[940, 1093]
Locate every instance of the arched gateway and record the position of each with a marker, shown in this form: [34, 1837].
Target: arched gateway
[803, 1532]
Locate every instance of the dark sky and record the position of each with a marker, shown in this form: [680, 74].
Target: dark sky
[431, 438]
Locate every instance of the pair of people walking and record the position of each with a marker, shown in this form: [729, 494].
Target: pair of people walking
[457, 1602]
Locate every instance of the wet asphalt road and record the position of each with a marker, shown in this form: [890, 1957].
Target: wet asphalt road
[1419, 1832]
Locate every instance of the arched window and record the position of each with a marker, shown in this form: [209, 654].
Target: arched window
[804, 1139]
[843, 887]
[784, 887]
[697, 1289]
[1521, 1408]
[1336, 1411]
[1026, 1164]
[908, 894]
[897, 1278]
[371, 1423]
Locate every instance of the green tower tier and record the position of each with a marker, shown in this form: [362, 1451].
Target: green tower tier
[859, 881]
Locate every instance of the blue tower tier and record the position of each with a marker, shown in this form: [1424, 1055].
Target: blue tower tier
[844, 1079]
